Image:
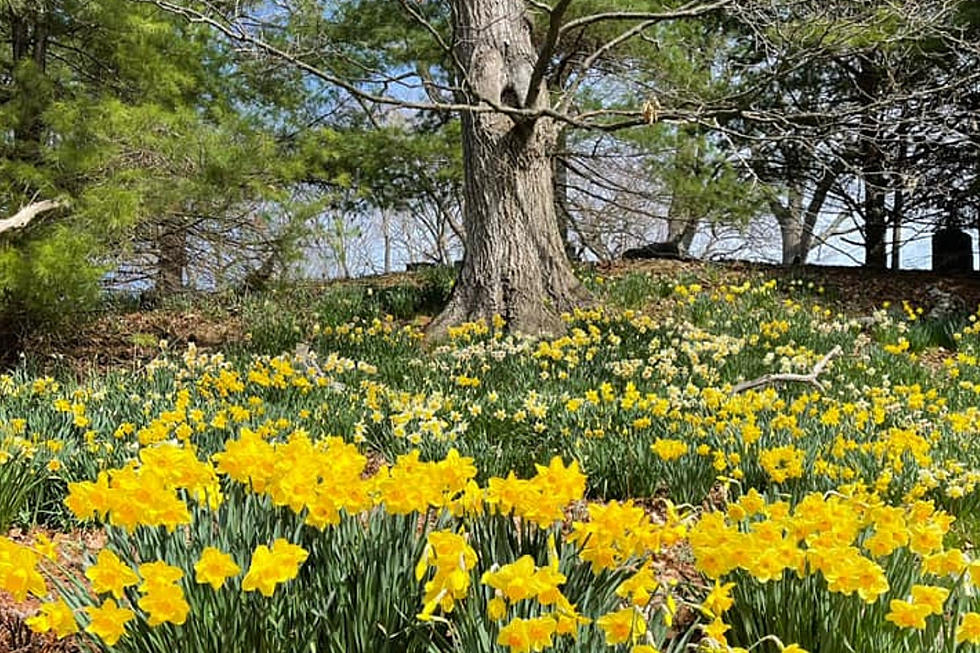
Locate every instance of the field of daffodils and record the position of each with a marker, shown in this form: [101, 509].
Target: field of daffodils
[691, 467]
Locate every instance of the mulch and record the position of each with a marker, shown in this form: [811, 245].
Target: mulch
[15, 636]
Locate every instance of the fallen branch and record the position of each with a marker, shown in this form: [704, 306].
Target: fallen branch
[810, 378]
[28, 213]
[306, 357]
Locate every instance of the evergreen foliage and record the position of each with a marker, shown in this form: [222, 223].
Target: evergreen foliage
[130, 116]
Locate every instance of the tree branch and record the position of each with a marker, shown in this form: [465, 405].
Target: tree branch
[810, 378]
[547, 51]
[238, 35]
[690, 10]
[28, 213]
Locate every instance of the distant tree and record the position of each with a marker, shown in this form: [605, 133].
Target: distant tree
[664, 181]
[124, 117]
[383, 169]
[876, 90]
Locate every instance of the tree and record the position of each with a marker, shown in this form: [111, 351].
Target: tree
[503, 73]
[521, 75]
[877, 90]
[122, 121]
[393, 173]
[629, 185]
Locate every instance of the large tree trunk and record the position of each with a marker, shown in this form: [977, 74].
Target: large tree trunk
[791, 235]
[798, 222]
[515, 264]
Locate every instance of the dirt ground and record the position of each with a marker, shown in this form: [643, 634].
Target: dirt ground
[128, 339]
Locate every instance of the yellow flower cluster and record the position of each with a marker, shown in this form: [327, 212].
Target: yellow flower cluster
[323, 477]
[541, 499]
[664, 382]
[617, 532]
[841, 538]
[925, 601]
[146, 494]
[523, 580]
[669, 449]
[782, 463]
[453, 559]
[162, 597]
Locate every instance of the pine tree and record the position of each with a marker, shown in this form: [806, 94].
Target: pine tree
[127, 117]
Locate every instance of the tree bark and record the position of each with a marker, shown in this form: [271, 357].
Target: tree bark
[872, 171]
[790, 227]
[898, 198]
[171, 244]
[898, 213]
[386, 239]
[562, 208]
[681, 226]
[791, 235]
[515, 264]
[813, 209]
[875, 227]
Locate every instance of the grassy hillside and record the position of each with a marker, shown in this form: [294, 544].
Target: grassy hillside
[658, 503]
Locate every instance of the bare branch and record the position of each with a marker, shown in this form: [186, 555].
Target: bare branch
[690, 10]
[810, 378]
[547, 51]
[239, 35]
[21, 219]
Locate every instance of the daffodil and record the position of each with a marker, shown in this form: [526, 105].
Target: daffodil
[110, 574]
[108, 621]
[969, 628]
[623, 626]
[908, 615]
[215, 567]
[54, 617]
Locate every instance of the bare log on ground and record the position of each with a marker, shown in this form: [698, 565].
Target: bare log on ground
[810, 378]
[23, 217]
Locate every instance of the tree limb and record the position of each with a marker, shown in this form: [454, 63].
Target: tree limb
[28, 213]
[690, 10]
[810, 378]
[547, 51]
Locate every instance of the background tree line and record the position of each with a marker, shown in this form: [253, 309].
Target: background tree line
[183, 145]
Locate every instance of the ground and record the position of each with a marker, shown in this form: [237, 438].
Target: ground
[121, 338]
